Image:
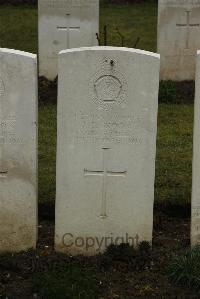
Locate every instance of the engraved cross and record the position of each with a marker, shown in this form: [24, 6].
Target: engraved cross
[68, 28]
[188, 25]
[104, 173]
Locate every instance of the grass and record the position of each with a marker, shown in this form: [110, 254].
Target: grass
[132, 22]
[174, 144]
[47, 152]
[69, 282]
[174, 153]
[184, 269]
[78, 278]
[18, 27]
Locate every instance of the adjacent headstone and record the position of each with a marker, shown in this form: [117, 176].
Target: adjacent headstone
[18, 150]
[107, 121]
[65, 24]
[195, 209]
[178, 38]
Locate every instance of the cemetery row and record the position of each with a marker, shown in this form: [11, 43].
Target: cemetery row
[65, 24]
[107, 123]
[106, 147]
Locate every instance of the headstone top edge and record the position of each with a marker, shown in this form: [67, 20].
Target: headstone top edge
[179, 2]
[69, 2]
[18, 52]
[104, 48]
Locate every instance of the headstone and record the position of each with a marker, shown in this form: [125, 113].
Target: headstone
[18, 150]
[195, 209]
[107, 115]
[65, 24]
[178, 38]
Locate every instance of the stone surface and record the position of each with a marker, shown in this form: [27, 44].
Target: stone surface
[65, 24]
[195, 209]
[18, 150]
[178, 38]
[107, 120]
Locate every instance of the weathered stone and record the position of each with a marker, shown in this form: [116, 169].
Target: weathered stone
[178, 38]
[65, 24]
[195, 209]
[107, 120]
[18, 150]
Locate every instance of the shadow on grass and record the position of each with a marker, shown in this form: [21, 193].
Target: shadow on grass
[68, 282]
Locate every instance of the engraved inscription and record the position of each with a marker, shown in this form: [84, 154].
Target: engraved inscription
[196, 223]
[105, 173]
[2, 88]
[196, 231]
[8, 132]
[8, 136]
[196, 212]
[3, 164]
[92, 128]
[108, 87]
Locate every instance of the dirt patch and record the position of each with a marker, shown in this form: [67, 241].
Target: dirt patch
[118, 279]
[47, 91]
[177, 92]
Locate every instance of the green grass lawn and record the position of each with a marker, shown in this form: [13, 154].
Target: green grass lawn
[174, 153]
[18, 29]
[133, 21]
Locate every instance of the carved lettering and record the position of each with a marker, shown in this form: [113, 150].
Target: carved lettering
[93, 128]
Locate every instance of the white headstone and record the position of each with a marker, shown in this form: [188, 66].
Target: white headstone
[178, 38]
[18, 150]
[65, 24]
[107, 120]
[195, 209]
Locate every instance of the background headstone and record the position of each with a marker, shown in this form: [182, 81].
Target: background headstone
[18, 150]
[65, 24]
[178, 38]
[195, 209]
[106, 147]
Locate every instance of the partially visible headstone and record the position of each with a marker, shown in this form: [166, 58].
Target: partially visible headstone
[107, 121]
[65, 24]
[195, 209]
[18, 150]
[178, 38]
